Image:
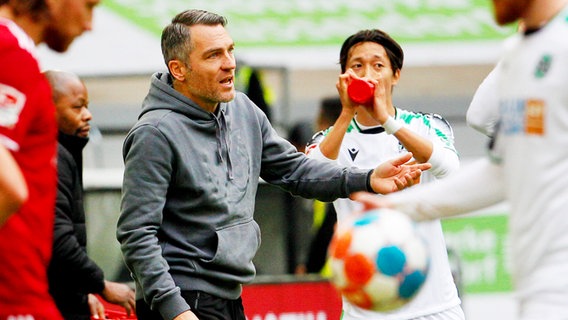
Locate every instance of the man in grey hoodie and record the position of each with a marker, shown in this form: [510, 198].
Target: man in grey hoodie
[192, 166]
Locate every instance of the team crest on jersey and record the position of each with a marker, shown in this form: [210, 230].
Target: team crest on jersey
[11, 103]
[543, 66]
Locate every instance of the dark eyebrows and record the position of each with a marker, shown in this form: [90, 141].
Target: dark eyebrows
[219, 49]
[374, 59]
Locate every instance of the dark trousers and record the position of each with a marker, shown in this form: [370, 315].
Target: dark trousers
[205, 307]
[317, 255]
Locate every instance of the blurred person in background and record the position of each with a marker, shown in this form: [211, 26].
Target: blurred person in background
[366, 135]
[250, 80]
[74, 278]
[527, 162]
[193, 162]
[329, 111]
[324, 216]
[28, 137]
[297, 210]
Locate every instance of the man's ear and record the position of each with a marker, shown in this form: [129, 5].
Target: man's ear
[178, 69]
[396, 77]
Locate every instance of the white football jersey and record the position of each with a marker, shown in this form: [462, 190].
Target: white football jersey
[529, 155]
[367, 148]
[532, 148]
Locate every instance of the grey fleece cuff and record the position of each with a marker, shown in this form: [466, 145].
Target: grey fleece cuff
[369, 187]
[173, 306]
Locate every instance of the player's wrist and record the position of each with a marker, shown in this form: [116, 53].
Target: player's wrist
[391, 125]
[346, 114]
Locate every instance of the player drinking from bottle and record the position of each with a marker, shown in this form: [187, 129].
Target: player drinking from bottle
[367, 134]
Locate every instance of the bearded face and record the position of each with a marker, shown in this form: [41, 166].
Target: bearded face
[68, 20]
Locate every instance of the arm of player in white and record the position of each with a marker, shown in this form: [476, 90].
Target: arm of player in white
[483, 111]
[475, 186]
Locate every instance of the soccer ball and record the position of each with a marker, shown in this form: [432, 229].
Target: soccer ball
[379, 261]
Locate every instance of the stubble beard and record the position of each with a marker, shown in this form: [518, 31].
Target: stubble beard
[55, 40]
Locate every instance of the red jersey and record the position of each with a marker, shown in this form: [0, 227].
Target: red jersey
[28, 129]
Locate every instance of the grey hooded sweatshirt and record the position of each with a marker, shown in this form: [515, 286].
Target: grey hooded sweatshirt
[189, 190]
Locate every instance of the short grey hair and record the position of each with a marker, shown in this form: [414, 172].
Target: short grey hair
[176, 36]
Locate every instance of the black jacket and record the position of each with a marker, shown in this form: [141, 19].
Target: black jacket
[72, 274]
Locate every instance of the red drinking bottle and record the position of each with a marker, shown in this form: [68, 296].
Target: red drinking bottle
[361, 91]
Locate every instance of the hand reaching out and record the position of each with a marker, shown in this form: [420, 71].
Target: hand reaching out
[397, 174]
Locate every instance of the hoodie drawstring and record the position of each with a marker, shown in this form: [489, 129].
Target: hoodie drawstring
[223, 142]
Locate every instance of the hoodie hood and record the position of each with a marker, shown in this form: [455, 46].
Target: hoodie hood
[162, 96]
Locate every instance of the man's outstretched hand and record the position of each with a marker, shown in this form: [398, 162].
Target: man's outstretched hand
[397, 174]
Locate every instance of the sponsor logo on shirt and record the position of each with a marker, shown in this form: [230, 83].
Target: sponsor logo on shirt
[523, 116]
[534, 117]
[11, 103]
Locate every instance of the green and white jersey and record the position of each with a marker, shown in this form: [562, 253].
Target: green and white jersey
[367, 148]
